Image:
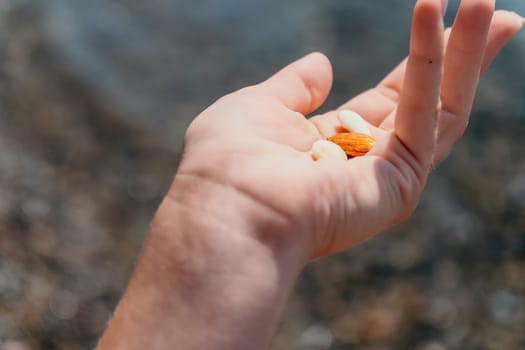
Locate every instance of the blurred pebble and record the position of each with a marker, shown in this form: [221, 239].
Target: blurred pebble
[69, 344]
[513, 275]
[507, 308]
[447, 275]
[442, 311]
[63, 304]
[97, 317]
[330, 272]
[8, 328]
[345, 328]
[6, 200]
[404, 254]
[330, 304]
[432, 346]
[377, 325]
[461, 224]
[11, 281]
[36, 208]
[39, 292]
[91, 282]
[315, 337]
[15, 345]
[41, 239]
[144, 188]
[516, 190]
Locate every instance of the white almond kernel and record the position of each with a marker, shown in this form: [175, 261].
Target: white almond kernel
[353, 122]
[323, 149]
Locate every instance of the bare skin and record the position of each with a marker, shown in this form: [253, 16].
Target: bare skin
[248, 207]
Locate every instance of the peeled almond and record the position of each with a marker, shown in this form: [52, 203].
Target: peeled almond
[323, 149]
[353, 122]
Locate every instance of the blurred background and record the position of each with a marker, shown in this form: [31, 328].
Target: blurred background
[94, 100]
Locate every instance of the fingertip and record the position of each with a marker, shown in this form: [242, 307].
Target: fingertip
[322, 59]
[426, 22]
[505, 24]
[426, 9]
[303, 85]
[476, 13]
[320, 82]
[513, 20]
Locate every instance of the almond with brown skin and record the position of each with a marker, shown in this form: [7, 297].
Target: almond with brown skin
[354, 144]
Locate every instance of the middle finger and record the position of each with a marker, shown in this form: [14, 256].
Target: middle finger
[463, 60]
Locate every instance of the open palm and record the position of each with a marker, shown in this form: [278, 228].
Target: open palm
[254, 143]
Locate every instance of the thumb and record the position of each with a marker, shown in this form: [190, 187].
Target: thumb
[303, 85]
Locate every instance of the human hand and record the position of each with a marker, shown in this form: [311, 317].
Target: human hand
[469, 52]
[249, 207]
[256, 141]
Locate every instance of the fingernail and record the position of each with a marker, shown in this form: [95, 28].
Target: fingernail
[444, 5]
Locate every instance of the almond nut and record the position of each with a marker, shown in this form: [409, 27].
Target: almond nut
[353, 122]
[354, 144]
[323, 149]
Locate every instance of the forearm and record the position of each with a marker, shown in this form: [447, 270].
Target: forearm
[204, 281]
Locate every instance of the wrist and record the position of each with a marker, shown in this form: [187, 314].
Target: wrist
[204, 266]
